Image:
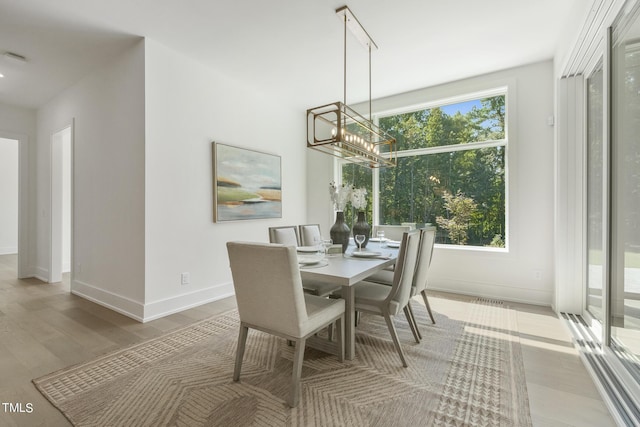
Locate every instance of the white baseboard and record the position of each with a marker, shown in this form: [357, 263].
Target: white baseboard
[494, 291]
[118, 303]
[165, 307]
[8, 250]
[41, 274]
[155, 310]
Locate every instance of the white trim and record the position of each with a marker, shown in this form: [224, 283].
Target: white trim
[150, 311]
[9, 250]
[442, 102]
[453, 147]
[112, 301]
[41, 274]
[175, 304]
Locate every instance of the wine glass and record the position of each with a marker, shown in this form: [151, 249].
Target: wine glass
[327, 244]
[360, 240]
[381, 239]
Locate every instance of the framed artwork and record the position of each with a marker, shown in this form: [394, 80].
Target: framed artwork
[246, 184]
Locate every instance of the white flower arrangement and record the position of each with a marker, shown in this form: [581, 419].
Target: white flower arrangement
[359, 198]
[340, 195]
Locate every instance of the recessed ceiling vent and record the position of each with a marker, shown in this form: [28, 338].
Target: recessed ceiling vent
[14, 57]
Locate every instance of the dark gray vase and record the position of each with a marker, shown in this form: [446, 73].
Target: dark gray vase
[362, 227]
[340, 231]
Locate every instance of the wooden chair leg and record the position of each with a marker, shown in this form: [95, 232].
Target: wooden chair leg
[394, 337]
[297, 372]
[426, 303]
[412, 323]
[242, 340]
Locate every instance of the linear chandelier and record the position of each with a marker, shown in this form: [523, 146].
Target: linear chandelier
[338, 130]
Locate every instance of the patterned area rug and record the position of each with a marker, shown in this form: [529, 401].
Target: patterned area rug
[467, 371]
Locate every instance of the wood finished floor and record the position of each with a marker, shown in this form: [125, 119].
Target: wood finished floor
[43, 328]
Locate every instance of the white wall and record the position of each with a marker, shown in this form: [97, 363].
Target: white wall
[8, 196]
[107, 108]
[20, 123]
[188, 106]
[508, 276]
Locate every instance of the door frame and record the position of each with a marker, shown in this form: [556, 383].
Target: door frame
[55, 270]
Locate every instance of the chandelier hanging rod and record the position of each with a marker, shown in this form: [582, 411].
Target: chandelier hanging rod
[358, 30]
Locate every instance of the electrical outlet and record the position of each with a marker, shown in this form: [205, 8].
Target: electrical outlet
[537, 274]
[185, 279]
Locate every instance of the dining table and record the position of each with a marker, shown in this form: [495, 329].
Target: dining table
[346, 270]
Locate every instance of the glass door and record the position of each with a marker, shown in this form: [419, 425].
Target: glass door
[624, 318]
[595, 203]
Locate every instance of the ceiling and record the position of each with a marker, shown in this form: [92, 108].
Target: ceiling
[291, 47]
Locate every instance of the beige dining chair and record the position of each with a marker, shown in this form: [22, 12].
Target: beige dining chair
[376, 298]
[392, 232]
[309, 234]
[267, 283]
[420, 282]
[287, 235]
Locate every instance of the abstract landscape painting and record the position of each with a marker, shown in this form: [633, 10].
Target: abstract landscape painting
[247, 184]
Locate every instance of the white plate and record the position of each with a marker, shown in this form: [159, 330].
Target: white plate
[307, 249]
[309, 260]
[376, 239]
[365, 254]
[322, 263]
[393, 244]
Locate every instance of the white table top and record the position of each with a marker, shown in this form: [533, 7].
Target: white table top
[346, 270]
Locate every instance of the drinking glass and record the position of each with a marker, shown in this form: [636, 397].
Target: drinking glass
[381, 238]
[360, 240]
[317, 243]
[327, 244]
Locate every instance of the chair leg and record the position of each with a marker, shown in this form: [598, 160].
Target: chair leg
[242, 340]
[426, 303]
[394, 337]
[413, 317]
[297, 372]
[340, 338]
[412, 323]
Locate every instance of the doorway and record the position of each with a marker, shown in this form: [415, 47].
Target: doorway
[61, 204]
[9, 196]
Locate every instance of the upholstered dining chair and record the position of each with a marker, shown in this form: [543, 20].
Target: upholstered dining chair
[420, 281]
[287, 235]
[309, 234]
[266, 279]
[388, 301]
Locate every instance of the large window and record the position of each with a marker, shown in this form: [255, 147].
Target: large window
[450, 173]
